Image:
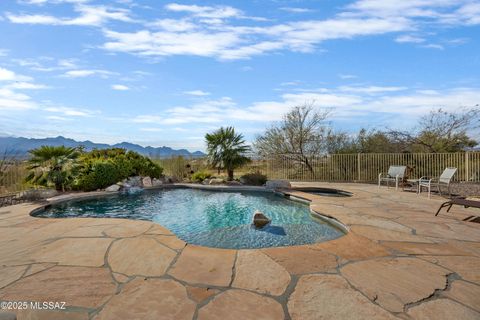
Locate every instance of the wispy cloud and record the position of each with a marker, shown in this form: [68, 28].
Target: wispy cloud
[296, 10]
[87, 73]
[409, 39]
[120, 87]
[89, 15]
[218, 31]
[198, 93]
[71, 111]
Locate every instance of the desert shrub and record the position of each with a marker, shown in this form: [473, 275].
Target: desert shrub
[254, 179]
[199, 176]
[97, 174]
[101, 168]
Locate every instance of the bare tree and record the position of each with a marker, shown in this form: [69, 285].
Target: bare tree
[442, 131]
[301, 133]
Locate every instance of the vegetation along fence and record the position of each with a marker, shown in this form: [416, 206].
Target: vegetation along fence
[333, 167]
[366, 167]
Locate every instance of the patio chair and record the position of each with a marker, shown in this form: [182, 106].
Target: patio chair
[444, 180]
[466, 203]
[394, 174]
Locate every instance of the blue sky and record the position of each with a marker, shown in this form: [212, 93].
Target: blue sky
[165, 73]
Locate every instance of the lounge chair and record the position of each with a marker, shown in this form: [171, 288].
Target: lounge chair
[444, 180]
[459, 201]
[394, 174]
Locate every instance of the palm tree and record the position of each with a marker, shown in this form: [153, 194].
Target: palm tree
[52, 165]
[226, 149]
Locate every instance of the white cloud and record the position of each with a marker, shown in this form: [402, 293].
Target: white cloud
[217, 12]
[10, 98]
[207, 31]
[71, 112]
[89, 15]
[27, 86]
[371, 89]
[229, 42]
[198, 93]
[120, 87]
[434, 46]
[147, 119]
[87, 73]
[296, 10]
[409, 39]
[47, 64]
[8, 75]
[347, 76]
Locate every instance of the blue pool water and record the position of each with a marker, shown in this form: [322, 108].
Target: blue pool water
[210, 218]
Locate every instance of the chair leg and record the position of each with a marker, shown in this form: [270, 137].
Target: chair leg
[429, 191]
[449, 207]
[443, 205]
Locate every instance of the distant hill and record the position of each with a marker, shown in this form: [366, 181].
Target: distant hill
[20, 147]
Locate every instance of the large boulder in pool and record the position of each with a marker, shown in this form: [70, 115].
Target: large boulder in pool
[260, 220]
[278, 184]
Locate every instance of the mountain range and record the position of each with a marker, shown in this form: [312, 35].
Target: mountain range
[19, 147]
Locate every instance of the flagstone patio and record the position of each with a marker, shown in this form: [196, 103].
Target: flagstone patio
[397, 261]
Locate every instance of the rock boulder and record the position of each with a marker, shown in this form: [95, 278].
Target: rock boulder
[147, 182]
[278, 184]
[216, 181]
[113, 188]
[260, 220]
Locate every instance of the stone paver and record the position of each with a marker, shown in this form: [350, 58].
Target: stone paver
[466, 267]
[257, 272]
[301, 260]
[199, 294]
[443, 309]
[171, 241]
[37, 267]
[154, 299]
[140, 256]
[238, 304]
[77, 286]
[331, 297]
[11, 274]
[466, 293]
[353, 247]
[88, 252]
[392, 283]
[201, 265]
[51, 315]
[135, 228]
[375, 233]
[424, 248]
[395, 257]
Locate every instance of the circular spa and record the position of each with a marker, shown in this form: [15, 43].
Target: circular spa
[209, 218]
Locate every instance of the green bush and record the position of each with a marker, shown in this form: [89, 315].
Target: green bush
[101, 168]
[98, 174]
[199, 176]
[254, 179]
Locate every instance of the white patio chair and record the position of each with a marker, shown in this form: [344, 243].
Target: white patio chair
[394, 174]
[444, 180]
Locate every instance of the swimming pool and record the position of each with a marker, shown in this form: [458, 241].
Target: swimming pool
[209, 218]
